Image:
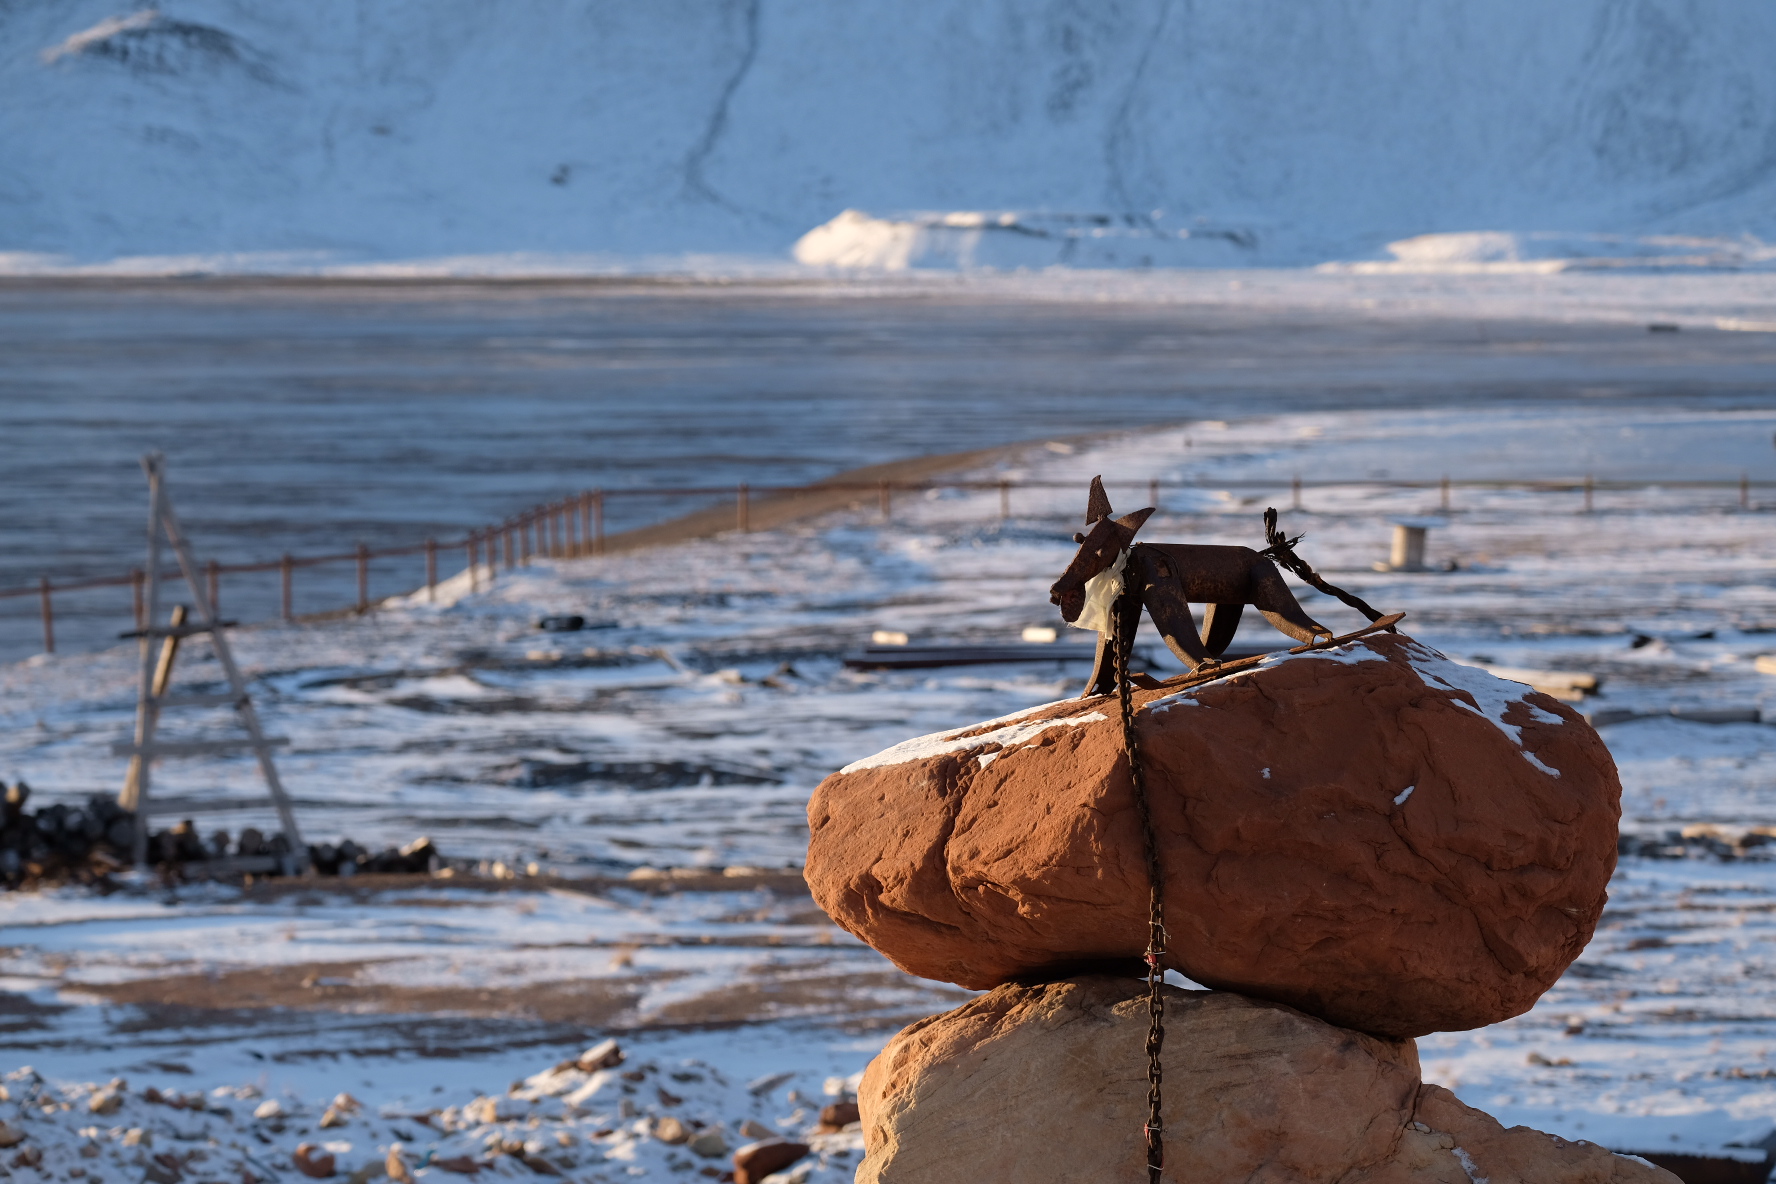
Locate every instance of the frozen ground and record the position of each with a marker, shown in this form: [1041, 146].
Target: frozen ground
[310, 416]
[691, 730]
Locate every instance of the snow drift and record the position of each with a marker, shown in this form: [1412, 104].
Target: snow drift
[1164, 134]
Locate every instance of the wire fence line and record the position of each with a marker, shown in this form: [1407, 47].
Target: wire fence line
[573, 527]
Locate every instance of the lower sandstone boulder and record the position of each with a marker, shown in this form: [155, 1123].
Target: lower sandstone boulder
[1376, 835]
[1028, 1085]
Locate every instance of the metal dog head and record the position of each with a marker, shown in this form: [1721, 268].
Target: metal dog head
[1098, 549]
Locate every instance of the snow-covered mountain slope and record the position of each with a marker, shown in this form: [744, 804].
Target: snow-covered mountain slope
[1274, 132]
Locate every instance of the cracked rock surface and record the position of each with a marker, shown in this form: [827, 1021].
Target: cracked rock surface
[1048, 1083]
[1376, 835]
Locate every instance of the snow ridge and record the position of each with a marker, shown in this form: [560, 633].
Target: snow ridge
[1221, 133]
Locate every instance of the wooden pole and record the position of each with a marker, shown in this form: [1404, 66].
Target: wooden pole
[585, 523]
[598, 522]
[214, 571]
[131, 796]
[1589, 484]
[1153, 492]
[1445, 490]
[524, 538]
[135, 797]
[431, 571]
[48, 616]
[137, 579]
[363, 578]
[1004, 500]
[506, 537]
[741, 509]
[885, 495]
[474, 554]
[287, 570]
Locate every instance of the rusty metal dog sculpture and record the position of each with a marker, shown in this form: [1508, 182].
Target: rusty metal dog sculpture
[1166, 578]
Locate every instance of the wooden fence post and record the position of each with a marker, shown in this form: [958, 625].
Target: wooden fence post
[431, 571]
[363, 578]
[585, 523]
[1589, 485]
[287, 569]
[214, 571]
[1445, 488]
[138, 578]
[48, 616]
[472, 545]
[524, 521]
[885, 494]
[1153, 492]
[741, 510]
[598, 522]
[1004, 500]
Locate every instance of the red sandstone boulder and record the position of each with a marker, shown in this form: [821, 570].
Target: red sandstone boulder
[1033, 1085]
[1376, 835]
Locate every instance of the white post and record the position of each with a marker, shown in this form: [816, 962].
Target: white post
[1409, 548]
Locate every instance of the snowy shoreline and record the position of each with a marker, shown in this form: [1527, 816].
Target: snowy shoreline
[461, 720]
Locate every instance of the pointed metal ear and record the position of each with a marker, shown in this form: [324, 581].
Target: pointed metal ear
[1097, 504]
[1133, 522]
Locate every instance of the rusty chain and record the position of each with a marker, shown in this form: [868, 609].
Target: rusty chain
[1282, 549]
[1154, 1131]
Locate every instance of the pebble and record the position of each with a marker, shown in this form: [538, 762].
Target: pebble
[312, 1161]
[709, 1144]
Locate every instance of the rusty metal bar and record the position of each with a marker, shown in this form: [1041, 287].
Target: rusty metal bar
[48, 616]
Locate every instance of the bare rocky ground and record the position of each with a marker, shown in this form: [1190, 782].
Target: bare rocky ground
[451, 986]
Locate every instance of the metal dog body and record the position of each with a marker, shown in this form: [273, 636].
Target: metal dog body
[1165, 579]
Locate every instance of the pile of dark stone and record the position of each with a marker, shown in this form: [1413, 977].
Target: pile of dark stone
[1699, 842]
[87, 843]
[62, 843]
[347, 859]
